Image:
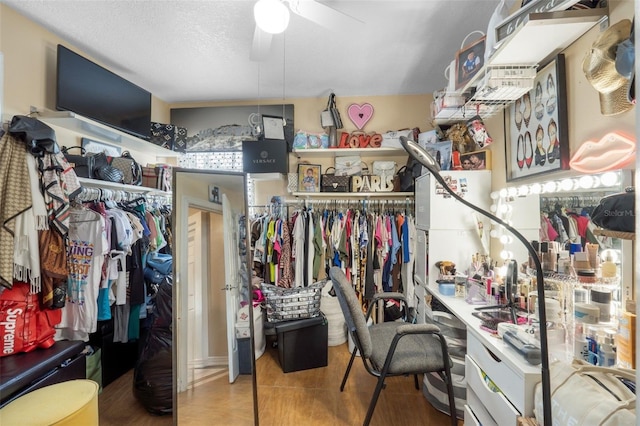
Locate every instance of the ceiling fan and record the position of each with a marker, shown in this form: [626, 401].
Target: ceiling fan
[272, 17]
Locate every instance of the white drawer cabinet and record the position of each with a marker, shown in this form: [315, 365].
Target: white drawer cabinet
[509, 381]
[487, 404]
[469, 418]
[507, 369]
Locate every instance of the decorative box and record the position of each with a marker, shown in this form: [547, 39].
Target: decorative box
[163, 134]
[180, 141]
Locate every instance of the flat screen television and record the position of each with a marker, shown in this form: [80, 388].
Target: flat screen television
[94, 92]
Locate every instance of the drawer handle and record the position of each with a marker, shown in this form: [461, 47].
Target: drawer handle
[494, 356]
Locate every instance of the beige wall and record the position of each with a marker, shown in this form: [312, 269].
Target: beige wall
[29, 74]
[390, 112]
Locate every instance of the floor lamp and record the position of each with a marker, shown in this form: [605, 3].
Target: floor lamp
[424, 158]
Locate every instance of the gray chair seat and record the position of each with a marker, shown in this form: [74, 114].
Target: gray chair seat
[415, 353]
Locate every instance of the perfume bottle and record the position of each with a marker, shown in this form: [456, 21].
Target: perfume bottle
[608, 268]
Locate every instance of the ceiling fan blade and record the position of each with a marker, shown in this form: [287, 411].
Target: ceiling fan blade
[323, 15]
[261, 46]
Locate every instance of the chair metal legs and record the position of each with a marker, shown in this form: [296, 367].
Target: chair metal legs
[346, 373]
[446, 377]
[374, 399]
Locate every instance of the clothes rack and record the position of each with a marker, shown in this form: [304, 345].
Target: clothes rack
[407, 206]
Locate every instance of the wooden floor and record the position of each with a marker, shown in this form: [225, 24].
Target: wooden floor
[309, 397]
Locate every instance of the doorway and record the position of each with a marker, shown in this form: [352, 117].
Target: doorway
[207, 355]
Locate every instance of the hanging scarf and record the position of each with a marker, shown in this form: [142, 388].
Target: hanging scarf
[15, 198]
[26, 256]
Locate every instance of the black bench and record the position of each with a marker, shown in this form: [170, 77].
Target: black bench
[25, 372]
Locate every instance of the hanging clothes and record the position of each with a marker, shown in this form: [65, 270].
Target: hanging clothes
[87, 247]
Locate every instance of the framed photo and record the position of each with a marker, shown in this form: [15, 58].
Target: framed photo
[476, 160]
[537, 139]
[308, 178]
[273, 127]
[469, 60]
[91, 145]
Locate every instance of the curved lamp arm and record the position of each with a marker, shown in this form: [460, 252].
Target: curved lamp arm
[424, 158]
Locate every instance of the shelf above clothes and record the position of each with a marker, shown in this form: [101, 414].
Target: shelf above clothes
[338, 152]
[342, 195]
[85, 126]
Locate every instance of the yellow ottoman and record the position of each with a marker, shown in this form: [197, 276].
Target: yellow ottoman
[68, 403]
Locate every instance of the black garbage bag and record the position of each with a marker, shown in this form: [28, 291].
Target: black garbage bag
[152, 376]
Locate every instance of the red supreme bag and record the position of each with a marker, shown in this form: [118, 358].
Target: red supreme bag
[23, 326]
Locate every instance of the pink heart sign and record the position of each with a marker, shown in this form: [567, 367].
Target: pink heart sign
[360, 114]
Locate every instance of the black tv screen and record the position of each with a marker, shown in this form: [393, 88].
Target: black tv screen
[94, 92]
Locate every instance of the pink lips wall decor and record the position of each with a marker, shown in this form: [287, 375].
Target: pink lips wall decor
[360, 114]
[612, 152]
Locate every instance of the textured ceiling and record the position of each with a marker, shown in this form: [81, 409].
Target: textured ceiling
[184, 50]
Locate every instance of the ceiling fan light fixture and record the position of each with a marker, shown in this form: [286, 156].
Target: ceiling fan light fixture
[271, 16]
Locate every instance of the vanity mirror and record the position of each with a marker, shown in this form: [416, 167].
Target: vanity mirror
[212, 366]
[548, 205]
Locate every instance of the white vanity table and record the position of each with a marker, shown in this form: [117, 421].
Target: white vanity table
[514, 376]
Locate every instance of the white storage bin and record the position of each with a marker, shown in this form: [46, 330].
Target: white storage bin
[243, 330]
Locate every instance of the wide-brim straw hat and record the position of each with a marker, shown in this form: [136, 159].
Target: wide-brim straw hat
[599, 67]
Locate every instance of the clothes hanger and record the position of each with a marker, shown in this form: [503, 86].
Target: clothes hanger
[84, 209]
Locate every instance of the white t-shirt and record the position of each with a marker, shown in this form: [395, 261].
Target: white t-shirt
[87, 247]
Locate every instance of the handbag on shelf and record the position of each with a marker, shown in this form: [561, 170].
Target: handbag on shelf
[131, 170]
[109, 174]
[348, 165]
[384, 168]
[82, 164]
[150, 177]
[403, 180]
[391, 139]
[329, 182]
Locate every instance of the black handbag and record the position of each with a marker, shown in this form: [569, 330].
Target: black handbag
[109, 173]
[329, 182]
[616, 212]
[403, 180]
[39, 137]
[82, 164]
